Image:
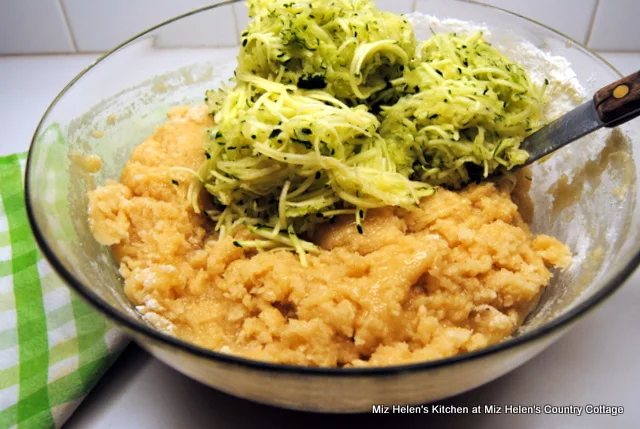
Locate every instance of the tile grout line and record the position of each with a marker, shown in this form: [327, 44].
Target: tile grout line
[415, 5]
[593, 20]
[66, 21]
[236, 24]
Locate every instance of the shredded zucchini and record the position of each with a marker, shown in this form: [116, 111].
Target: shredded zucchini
[347, 48]
[336, 109]
[467, 109]
[288, 159]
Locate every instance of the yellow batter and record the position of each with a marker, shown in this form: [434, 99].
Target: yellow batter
[456, 274]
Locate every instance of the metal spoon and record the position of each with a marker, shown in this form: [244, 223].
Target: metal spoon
[611, 106]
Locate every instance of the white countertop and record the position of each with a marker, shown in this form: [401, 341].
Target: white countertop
[595, 363]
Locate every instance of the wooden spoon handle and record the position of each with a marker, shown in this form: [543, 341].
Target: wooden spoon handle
[619, 102]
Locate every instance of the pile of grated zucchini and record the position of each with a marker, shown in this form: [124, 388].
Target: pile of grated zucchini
[336, 109]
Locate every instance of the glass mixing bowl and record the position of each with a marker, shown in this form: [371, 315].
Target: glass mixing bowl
[112, 105]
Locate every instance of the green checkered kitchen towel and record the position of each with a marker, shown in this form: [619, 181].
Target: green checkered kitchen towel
[53, 346]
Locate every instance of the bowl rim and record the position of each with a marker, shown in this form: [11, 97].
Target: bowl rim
[564, 320]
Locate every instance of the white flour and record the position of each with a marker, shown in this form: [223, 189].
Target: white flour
[564, 88]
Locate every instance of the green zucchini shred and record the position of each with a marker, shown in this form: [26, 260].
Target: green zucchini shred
[473, 106]
[346, 47]
[336, 109]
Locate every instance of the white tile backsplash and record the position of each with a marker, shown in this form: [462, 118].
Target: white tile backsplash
[33, 26]
[616, 26]
[242, 15]
[44, 26]
[211, 28]
[101, 25]
[396, 6]
[625, 62]
[571, 17]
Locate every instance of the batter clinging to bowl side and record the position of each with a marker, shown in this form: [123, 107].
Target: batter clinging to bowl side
[320, 229]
